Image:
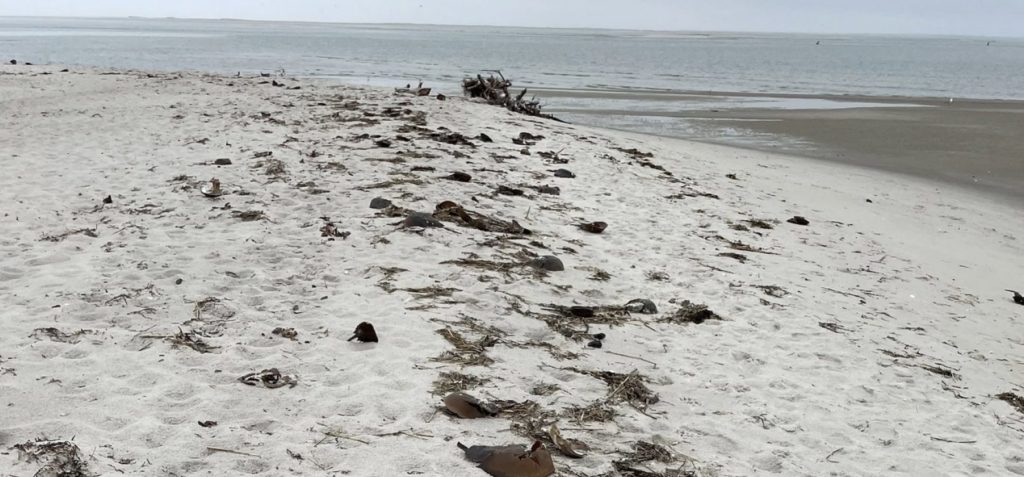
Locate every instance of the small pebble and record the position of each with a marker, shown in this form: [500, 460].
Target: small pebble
[550, 263]
[600, 336]
[178, 281]
[595, 344]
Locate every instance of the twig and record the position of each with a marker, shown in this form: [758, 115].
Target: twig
[634, 357]
[829, 457]
[951, 441]
[845, 293]
[229, 451]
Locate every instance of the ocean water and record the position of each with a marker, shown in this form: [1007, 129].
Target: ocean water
[546, 58]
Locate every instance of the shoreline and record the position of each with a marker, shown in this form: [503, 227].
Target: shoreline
[973, 144]
[881, 328]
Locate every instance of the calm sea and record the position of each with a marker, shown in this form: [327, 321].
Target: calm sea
[627, 71]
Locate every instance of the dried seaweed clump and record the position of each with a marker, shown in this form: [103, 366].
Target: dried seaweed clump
[466, 353]
[53, 334]
[629, 388]
[1014, 400]
[59, 458]
[690, 312]
[644, 452]
[451, 381]
[598, 411]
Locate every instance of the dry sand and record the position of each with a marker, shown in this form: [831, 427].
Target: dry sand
[873, 341]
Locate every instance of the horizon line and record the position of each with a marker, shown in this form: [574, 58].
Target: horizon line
[604, 28]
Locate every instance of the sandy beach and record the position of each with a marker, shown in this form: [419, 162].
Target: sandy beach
[967, 142]
[877, 339]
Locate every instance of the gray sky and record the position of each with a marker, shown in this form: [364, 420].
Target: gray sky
[945, 17]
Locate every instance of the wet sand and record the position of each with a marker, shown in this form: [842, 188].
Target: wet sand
[976, 143]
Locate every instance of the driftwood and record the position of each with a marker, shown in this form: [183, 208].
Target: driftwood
[417, 91]
[494, 90]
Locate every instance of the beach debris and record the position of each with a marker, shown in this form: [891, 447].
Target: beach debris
[494, 90]
[759, 224]
[249, 215]
[600, 336]
[484, 138]
[262, 154]
[563, 445]
[798, 220]
[212, 188]
[207, 424]
[628, 388]
[53, 334]
[382, 143]
[449, 137]
[419, 90]
[441, 97]
[379, 203]
[1017, 297]
[582, 311]
[511, 460]
[364, 333]
[459, 177]
[635, 153]
[60, 236]
[451, 381]
[595, 344]
[59, 458]
[449, 211]
[330, 230]
[732, 176]
[644, 452]
[510, 191]
[466, 353]
[773, 290]
[564, 173]
[222, 162]
[546, 189]
[690, 312]
[548, 263]
[270, 379]
[421, 219]
[1012, 399]
[108, 200]
[14, 62]
[739, 257]
[468, 407]
[594, 227]
[190, 340]
[833, 327]
[289, 333]
[641, 305]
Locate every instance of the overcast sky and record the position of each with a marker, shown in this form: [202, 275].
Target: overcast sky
[944, 17]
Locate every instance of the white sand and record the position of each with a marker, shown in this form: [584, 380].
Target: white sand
[920, 273]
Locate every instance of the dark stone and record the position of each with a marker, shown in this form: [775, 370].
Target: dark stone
[600, 336]
[594, 227]
[484, 138]
[564, 173]
[364, 333]
[14, 62]
[459, 177]
[505, 190]
[798, 220]
[550, 263]
[595, 344]
[421, 219]
[1018, 298]
[222, 162]
[382, 143]
[441, 97]
[582, 311]
[380, 203]
[108, 200]
[178, 281]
